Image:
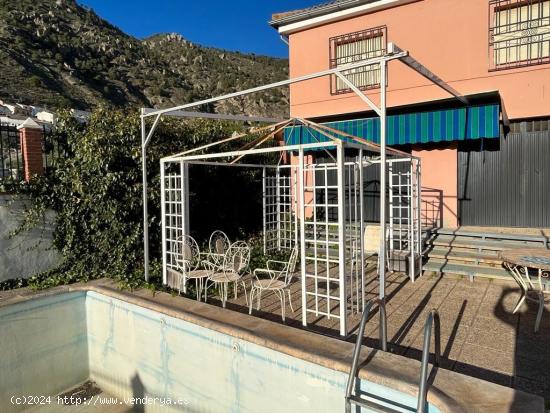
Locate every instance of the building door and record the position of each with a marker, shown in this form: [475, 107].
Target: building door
[506, 182]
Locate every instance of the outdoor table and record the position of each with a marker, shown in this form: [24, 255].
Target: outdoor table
[519, 261]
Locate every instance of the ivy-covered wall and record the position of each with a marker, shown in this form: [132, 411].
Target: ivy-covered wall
[96, 189]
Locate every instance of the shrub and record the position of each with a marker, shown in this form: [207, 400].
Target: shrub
[35, 81]
[96, 192]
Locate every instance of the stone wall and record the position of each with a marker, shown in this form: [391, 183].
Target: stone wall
[26, 254]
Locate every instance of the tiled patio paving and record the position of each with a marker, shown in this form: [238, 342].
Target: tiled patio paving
[479, 334]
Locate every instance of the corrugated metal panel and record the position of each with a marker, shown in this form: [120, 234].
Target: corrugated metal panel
[448, 125]
[506, 182]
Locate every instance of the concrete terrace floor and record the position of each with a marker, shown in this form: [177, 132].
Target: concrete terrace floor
[480, 336]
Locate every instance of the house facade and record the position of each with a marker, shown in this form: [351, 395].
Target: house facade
[486, 163]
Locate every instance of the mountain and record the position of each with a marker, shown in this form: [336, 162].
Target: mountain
[57, 53]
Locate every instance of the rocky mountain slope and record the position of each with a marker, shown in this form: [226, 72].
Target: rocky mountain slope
[58, 53]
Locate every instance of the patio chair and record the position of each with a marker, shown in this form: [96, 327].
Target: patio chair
[186, 255]
[234, 262]
[534, 287]
[279, 281]
[218, 244]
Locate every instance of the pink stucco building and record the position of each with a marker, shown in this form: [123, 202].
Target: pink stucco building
[486, 163]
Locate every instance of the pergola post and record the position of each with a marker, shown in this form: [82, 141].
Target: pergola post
[163, 221]
[184, 172]
[382, 252]
[264, 204]
[340, 171]
[184, 199]
[145, 212]
[301, 205]
[362, 227]
[412, 222]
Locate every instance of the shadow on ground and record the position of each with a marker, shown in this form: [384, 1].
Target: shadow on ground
[480, 336]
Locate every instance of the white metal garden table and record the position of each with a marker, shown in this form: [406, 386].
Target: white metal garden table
[534, 284]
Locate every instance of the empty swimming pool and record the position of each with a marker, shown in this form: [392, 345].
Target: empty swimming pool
[142, 349]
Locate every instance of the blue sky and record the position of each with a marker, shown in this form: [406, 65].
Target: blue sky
[233, 25]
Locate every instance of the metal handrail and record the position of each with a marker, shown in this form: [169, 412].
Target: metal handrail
[357, 349]
[432, 319]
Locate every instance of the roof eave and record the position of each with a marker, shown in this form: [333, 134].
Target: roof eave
[331, 13]
[320, 11]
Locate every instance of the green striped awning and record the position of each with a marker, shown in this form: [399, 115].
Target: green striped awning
[448, 125]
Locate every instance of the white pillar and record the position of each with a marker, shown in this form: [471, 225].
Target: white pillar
[382, 251]
[278, 205]
[145, 213]
[412, 221]
[163, 220]
[362, 228]
[184, 199]
[340, 161]
[301, 201]
[264, 174]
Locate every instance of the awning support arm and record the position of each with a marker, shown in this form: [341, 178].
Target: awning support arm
[428, 74]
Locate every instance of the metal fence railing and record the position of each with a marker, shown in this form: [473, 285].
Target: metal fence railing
[12, 167]
[11, 158]
[54, 148]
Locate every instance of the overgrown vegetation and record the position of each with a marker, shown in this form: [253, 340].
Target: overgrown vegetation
[96, 192]
[58, 53]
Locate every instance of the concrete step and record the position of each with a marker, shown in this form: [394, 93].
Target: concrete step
[473, 253]
[490, 258]
[441, 266]
[478, 244]
[485, 234]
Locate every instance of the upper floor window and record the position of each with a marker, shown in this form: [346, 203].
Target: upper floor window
[519, 33]
[354, 47]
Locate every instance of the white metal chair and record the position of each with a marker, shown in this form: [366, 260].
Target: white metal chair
[533, 288]
[231, 270]
[279, 281]
[218, 244]
[186, 255]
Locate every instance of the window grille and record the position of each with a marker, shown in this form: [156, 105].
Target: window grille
[519, 33]
[354, 47]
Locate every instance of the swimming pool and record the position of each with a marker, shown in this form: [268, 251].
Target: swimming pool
[55, 342]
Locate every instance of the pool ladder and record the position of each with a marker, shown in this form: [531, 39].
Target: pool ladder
[431, 321]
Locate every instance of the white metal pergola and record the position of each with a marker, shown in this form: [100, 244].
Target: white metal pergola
[316, 206]
[360, 146]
